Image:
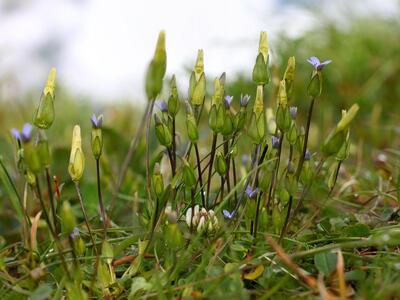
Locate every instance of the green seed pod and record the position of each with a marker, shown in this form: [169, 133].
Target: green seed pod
[79, 246]
[107, 252]
[291, 136]
[43, 149]
[77, 159]
[260, 71]
[283, 120]
[173, 100]
[163, 134]
[277, 219]
[289, 76]
[256, 130]
[345, 149]
[189, 179]
[291, 184]
[314, 88]
[333, 143]
[156, 69]
[300, 139]
[68, 220]
[240, 120]
[197, 83]
[216, 117]
[222, 80]
[44, 114]
[227, 128]
[158, 182]
[191, 125]
[306, 173]
[199, 66]
[220, 164]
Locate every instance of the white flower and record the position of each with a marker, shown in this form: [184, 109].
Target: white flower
[201, 217]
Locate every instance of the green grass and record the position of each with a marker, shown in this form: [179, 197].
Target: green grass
[345, 237]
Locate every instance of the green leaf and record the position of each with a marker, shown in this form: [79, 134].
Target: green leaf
[138, 283]
[10, 189]
[42, 292]
[325, 262]
[357, 230]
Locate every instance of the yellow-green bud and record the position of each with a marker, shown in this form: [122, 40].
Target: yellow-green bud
[163, 133]
[30, 178]
[259, 102]
[32, 157]
[156, 69]
[77, 159]
[222, 80]
[291, 136]
[347, 117]
[345, 149]
[291, 184]
[173, 100]
[199, 91]
[333, 172]
[263, 45]
[227, 128]
[257, 125]
[289, 76]
[158, 182]
[199, 66]
[306, 173]
[240, 119]
[97, 136]
[44, 114]
[220, 164]
[173, 237]
[216, 117]
[68, 220]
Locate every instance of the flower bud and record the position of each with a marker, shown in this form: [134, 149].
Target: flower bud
[227, 128]
[189, 179]
[275, 142]
[77, 242]
[44, 114]
[314, 88]
[260, 71]
[244, 100]
[31, 157]
[291, 184]
[283, 119]
[256, 129]
[173, 100]
[240, 120]
[291, 136]
[199, 66]
[197, 83]
[67, 217]
[97, 136]
[191, 125]
[163, 134]
[293, 112]
[199, 91]
[347, 117]
[345, 149]
[77, 159]
[156, 69]
[173, 237]
[289, 76]
[158, 183]
[220, 164]
[333, 173]
[282, 96]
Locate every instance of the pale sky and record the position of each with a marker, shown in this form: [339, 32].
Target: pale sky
[101, 48]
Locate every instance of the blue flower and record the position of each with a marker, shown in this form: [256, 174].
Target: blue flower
[24, 135]
[228, 101]
[317, 64]
[162, 105]
[293, 112]
[307, 155]
[75, 233]
[228, 215]
[245, 159]
[97, 122]
[275, 142]
[244, 100]
[251, 193]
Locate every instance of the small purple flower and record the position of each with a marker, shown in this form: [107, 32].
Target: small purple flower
[251, 193]
[228, 101]
[245, 159]
[307, 155]
[244, 100]
[317, 64]
[162, 105]
[293, 112]
[24, 135]
[227, 214]
[97, 122]
[75, 233]
[275, 142]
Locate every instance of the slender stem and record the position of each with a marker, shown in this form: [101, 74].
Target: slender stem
[171, 160]
[52, 232]
[51, 198]
[100, 196]
[148, 122]
[174, 141]
[132, 147]
[284, 227]
[78, 191]
[271, 192]
[214, 143]
[192, 193]
[228, 162]
[196, 148]
[234, 177]
[336, 177]
[301, 160]
[222, 189]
